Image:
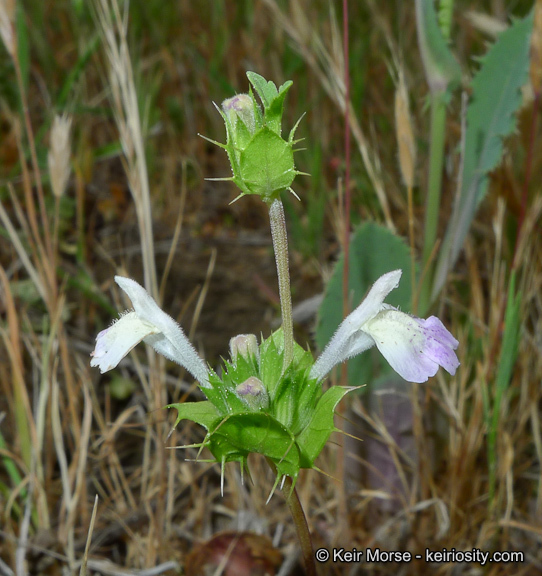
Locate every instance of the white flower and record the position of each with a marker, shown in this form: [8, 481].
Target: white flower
[414, 347]
[150, 324]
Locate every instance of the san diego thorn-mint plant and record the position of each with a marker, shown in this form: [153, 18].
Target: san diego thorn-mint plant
[270, 399]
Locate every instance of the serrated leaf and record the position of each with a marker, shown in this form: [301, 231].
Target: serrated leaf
[495, 99]
[267, 164]
[203, 413]
[272, 99]
[374, 250]
[267, 91]
[313, 439]
[241, 434]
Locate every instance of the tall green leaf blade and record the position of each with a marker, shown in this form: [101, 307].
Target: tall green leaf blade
[495, 99]
[23, 45]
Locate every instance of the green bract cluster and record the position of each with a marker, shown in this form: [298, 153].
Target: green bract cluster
[287, 418]
[262, 161]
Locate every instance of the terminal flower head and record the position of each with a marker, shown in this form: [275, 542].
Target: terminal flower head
[148, 323]
[262, 161]
[414, 347]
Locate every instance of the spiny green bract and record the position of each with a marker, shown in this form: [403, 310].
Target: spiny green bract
[262, 161]
[290, 430]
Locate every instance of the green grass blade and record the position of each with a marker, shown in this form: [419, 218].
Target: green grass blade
[509, 352]
[490, 117]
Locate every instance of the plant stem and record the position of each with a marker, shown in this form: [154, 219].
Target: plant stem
[280, 245]
[301, 525]
[300, 521]
[432, 207]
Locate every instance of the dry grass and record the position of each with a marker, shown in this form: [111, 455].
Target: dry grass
[69, 436]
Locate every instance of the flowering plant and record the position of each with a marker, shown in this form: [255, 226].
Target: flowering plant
[270, 398]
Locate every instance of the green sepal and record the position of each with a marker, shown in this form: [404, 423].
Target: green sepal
[202, 413]
[271, 353]
[272, 99]
[313, 438]
[222, 395]
[267, 164]
[240, 370]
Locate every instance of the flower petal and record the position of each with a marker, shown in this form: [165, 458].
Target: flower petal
[372, 303]
[114, 343]
[347, 340]
[440, 344]
[414, 347]
[174, 344]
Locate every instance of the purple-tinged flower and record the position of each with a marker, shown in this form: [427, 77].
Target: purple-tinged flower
[414, 347]
[253, 392]
[148, 323]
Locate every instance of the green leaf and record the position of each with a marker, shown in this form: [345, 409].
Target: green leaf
[374, 250]
[267, 91]
[23, 48]
[272, 99]
[495, 99]
[238, 435]
[313, 439]
[298, 418]
[267, 164]
[441, 68]
[203, 413]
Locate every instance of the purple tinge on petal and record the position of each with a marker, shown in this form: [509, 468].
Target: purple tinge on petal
[251, 387]
[253, 392]
[440, 344]
[414, 347]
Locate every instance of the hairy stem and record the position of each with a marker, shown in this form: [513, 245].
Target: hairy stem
[280, 245]
[300, 521]
[302, 528]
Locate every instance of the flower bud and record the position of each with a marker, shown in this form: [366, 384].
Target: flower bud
[240, 107]
[253, 392]
[245, 345]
